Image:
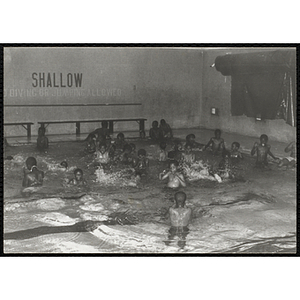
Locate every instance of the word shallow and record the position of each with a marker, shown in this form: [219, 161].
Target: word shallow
[56, 80]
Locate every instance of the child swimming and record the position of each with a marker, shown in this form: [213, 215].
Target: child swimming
[141, 164]
[126, 156]
[176, 179]
[78, 179]
[290, 161]
[190, 139]
[216, 143]
[225, 167]
[154, 132]
[262, 150]
[34, 177]
[162, 151]
[120, 141]
[42, 140]
[188, 157]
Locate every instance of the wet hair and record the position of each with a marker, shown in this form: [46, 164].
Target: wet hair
[120, 135]
[142, 152]
[173, 162]
[264, 136]
[180, 198]
[30, 162]
[78, 170]
[162, 121]
[163, 145]
[155, 123]
[64, 164]
[218, 131]
[235, 144]
[132, 146]
[189, 136]
[127, 147]
[225, 153]
[104, 124]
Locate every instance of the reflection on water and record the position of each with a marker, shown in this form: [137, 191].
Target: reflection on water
[117, 214]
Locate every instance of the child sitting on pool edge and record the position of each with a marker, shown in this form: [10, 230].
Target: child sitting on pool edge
[176, 179]
[78, 179]
[290, 161]
[42, 140]
[34, 177]
[154, 132]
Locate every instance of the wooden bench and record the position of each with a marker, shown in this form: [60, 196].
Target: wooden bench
[26, 125]
[111, 122]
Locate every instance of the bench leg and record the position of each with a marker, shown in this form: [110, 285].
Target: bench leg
[111, 127]
[77, 128]
[142, 125]
[28, 131]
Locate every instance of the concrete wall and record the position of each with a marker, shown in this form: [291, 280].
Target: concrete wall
[164, 81]
[217, 93]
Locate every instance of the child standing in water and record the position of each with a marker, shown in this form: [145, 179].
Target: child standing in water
[120, 141]
[162, 151]
[102, 155]
[180, 217]
[262, 150]
[141, 164]
[78, 179]
[216, 143]
[188, 157]
[42, 140]
[34, 177]
[290, 161]
[176, 179]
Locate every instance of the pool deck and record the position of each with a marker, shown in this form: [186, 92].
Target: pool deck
[202, 136]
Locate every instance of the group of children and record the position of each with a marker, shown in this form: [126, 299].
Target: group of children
[106, 151]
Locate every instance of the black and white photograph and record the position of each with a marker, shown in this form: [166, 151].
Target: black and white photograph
[149, 149]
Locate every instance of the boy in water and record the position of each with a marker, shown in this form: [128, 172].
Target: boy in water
[120, 141]
[180, 217]
[235, 154]
[34, 177]
[42, 140]
[188, 157]
[141, 164]
[290, 161]
[262, 150]
[225, 168]
[165, 130]
[216, 143]
[162, 151]
[154, 132]
[190, 139]
[78, 179]
[102, 155]
[126, 156]
[175, 153]
[176, 179]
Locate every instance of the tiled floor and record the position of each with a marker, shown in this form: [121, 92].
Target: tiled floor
[202, 136]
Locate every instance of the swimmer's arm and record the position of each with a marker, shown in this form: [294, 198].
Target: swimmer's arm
[162, 177]
[271, 154]
[181, 179]
[208, 144]
[25, 181]
[289, 147]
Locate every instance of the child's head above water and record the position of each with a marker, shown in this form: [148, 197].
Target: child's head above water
[102, 148]
[78, 174]
[263, 139]
[155, 124]
[64, 164]
[163, 145]
[173, 165]
[142, 153]
[235, 146]
[218, 133]
[180, 198]
[120, 136]
[190, 137]
[30, 162]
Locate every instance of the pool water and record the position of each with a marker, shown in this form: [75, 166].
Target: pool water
[255, 213]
